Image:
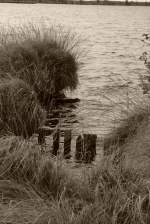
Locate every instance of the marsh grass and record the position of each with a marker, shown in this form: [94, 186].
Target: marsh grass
[33, 181]
[20, 111]
[45, 58]
[135, 110]
[126, 130]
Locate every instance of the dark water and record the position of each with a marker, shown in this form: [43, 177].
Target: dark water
[109, 77]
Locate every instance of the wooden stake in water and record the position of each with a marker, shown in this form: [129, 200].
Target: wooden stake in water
[79, 148]
[86, 147]
[89, 147]
[41, 138]
[67, 143]
[56, 138]
[44, 131]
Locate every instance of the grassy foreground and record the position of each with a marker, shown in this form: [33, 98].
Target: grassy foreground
[36, 188]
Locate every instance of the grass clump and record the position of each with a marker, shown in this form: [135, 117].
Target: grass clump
[43, 58]
[128, 127]
[20, 111]
[36, 65]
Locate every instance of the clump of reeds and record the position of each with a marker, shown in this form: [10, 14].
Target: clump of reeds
[132, 118]
[126, 130]
[44, 58]
[20, 111]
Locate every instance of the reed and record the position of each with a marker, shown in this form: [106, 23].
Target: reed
[20, 111]
[44, 58]
[126, 130]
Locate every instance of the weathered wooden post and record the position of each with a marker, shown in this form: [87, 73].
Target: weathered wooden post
[86, 147]
[79, 148]
[56, 138]
[41, 138]
[67, 143]
[89, 146]
[44, 131]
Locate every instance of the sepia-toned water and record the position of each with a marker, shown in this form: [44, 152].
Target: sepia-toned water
[111, 45]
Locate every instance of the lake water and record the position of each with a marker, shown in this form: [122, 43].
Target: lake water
[109, 76]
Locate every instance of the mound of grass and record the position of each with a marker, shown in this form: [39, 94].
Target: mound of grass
[20, 112]
[43, 58]
[127, 128]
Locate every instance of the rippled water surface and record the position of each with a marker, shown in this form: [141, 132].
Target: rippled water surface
[111, 42]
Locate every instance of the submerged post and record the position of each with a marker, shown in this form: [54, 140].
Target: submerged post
[44, 131]
[86, 147]
[67, 143]
[56, 138]
[41, 138]
[89, 146]
[79, 148]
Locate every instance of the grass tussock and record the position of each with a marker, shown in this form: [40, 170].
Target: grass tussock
[33, 181]
[20, 112]
[46, 59]
[36, 65]
[127, 128]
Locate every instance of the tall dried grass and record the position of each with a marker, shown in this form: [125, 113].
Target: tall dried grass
[127, 128]
[20, 111]
[44, 58]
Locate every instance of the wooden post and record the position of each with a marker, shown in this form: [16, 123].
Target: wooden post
[44, 131]
[67, 143]
[56, 138]
[86, 147]
[41, 138]
[89, 147]
[79, 148]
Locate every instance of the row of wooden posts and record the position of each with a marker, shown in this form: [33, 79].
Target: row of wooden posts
[85, 144]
